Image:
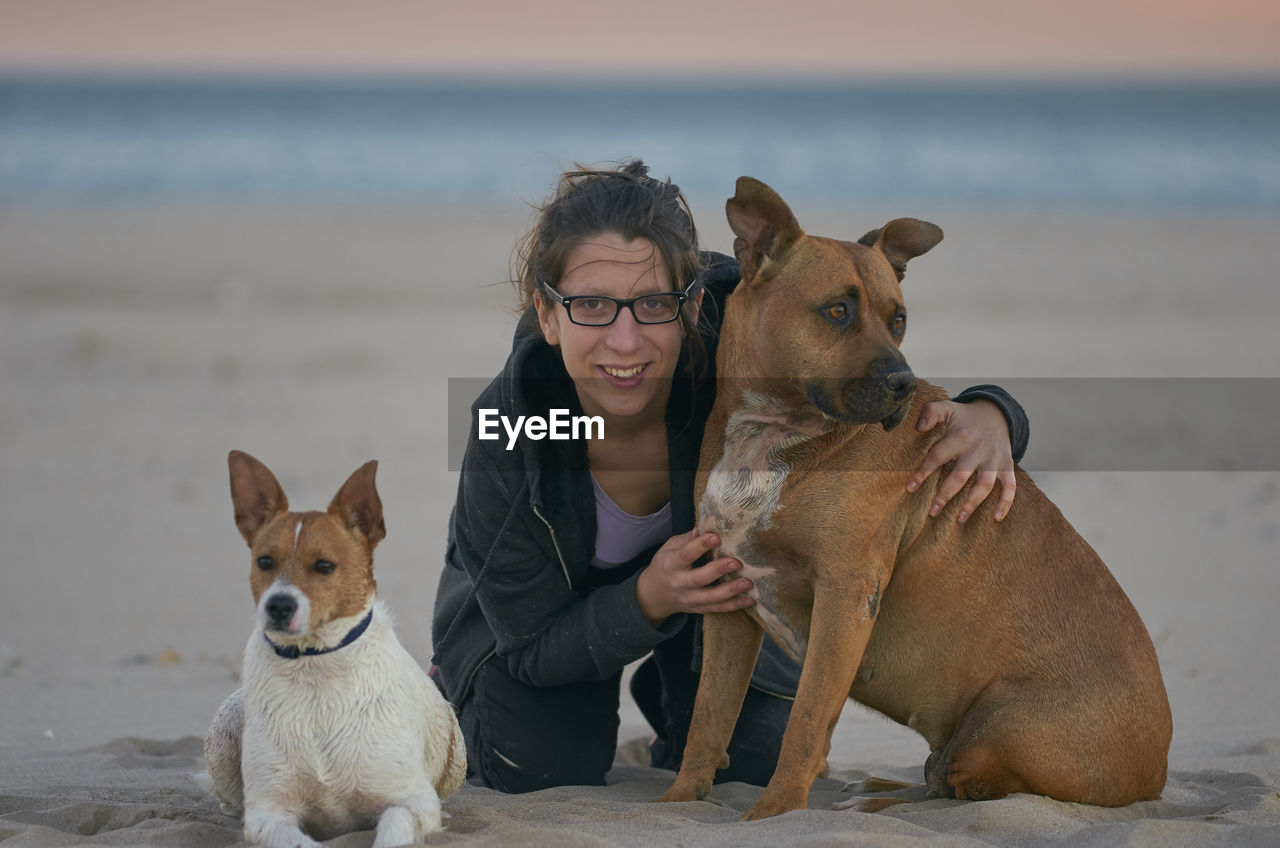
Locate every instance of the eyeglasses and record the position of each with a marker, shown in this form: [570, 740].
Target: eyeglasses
[598, 310]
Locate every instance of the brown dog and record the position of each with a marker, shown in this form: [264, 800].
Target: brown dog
[1009, 647]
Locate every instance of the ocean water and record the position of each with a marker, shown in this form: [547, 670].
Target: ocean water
[1144, 146]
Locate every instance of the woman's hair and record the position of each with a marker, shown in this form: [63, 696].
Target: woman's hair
[624, 201]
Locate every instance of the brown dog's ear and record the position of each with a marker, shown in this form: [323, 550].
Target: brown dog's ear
[762, 222]
[358, 506]
[903, 239]
[256, 495]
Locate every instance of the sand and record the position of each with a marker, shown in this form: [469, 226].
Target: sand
[139, 344]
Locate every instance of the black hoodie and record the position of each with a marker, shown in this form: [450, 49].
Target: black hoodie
[523, 530]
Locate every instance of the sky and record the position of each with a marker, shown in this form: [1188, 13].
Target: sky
[646, 38]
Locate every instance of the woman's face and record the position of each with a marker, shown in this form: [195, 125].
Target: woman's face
[624, 369]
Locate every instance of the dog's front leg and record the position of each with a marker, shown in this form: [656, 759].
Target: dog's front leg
[409, 820]
[843, 614]
[730, 645]
[275, 827]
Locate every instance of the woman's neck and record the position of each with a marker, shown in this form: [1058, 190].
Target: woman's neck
[627, 428]
[633, 470]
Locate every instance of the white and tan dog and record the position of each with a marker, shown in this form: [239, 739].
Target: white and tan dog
[337, 727]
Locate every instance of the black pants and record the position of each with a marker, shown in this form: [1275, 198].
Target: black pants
[522, 738]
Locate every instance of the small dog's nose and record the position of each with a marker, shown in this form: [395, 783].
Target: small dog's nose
[901, 384]
[280, 608]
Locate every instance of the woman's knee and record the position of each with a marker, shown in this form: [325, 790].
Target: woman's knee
[753, 749]
[522, 738]
[757, 739]
[530, 771]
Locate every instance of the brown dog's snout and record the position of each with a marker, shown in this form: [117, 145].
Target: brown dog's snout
[902, 387]
[889, 380]
[901, 384]
[882, 394]
[897, 386]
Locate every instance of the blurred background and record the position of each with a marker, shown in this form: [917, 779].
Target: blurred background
[1140, 104]
[284, 226]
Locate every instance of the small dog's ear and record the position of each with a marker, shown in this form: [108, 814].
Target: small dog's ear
[903, 239]
[358, 506]
[763, 223]
[256, 495]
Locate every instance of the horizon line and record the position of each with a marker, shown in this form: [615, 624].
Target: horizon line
[524, 77]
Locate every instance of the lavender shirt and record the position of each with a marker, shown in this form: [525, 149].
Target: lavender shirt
[621, 536]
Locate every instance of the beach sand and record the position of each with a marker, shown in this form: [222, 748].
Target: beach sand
[139, 344]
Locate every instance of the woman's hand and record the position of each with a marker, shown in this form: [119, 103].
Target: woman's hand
[669, 584]
[978, 440]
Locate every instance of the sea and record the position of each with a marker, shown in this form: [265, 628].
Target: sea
[1193, 146]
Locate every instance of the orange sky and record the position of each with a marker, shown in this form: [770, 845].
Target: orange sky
[647, 37]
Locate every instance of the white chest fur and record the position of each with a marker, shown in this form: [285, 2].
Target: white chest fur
[742, 498]
[337, 737]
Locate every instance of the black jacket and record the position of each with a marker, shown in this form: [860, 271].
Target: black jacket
[523, 530]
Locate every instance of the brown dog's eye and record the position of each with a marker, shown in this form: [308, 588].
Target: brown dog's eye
[323, 566]
[266, 563]
[837, 313]
[899, 324]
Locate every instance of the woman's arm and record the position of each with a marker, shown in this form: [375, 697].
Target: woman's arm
[547, 632]
[987, 431]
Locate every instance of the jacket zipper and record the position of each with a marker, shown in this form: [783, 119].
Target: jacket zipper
[465, 689]
[555, 542]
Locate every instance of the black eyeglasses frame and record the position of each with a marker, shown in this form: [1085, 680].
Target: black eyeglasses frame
[682, 297]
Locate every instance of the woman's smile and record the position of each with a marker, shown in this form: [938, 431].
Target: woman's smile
[624, 376]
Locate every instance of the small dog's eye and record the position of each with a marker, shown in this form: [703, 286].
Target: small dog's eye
[323, 566]
[899, 324]
[266, 563]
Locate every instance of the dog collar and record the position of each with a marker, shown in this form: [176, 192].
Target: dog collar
[292, 652]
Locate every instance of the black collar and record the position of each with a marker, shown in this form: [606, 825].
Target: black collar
[292, 652]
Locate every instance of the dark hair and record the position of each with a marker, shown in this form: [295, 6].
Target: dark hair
[625, 201]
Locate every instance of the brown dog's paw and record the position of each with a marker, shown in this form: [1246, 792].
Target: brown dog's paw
[685, 790]
[775, 803]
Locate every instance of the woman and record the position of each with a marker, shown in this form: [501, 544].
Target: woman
[567, 560]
